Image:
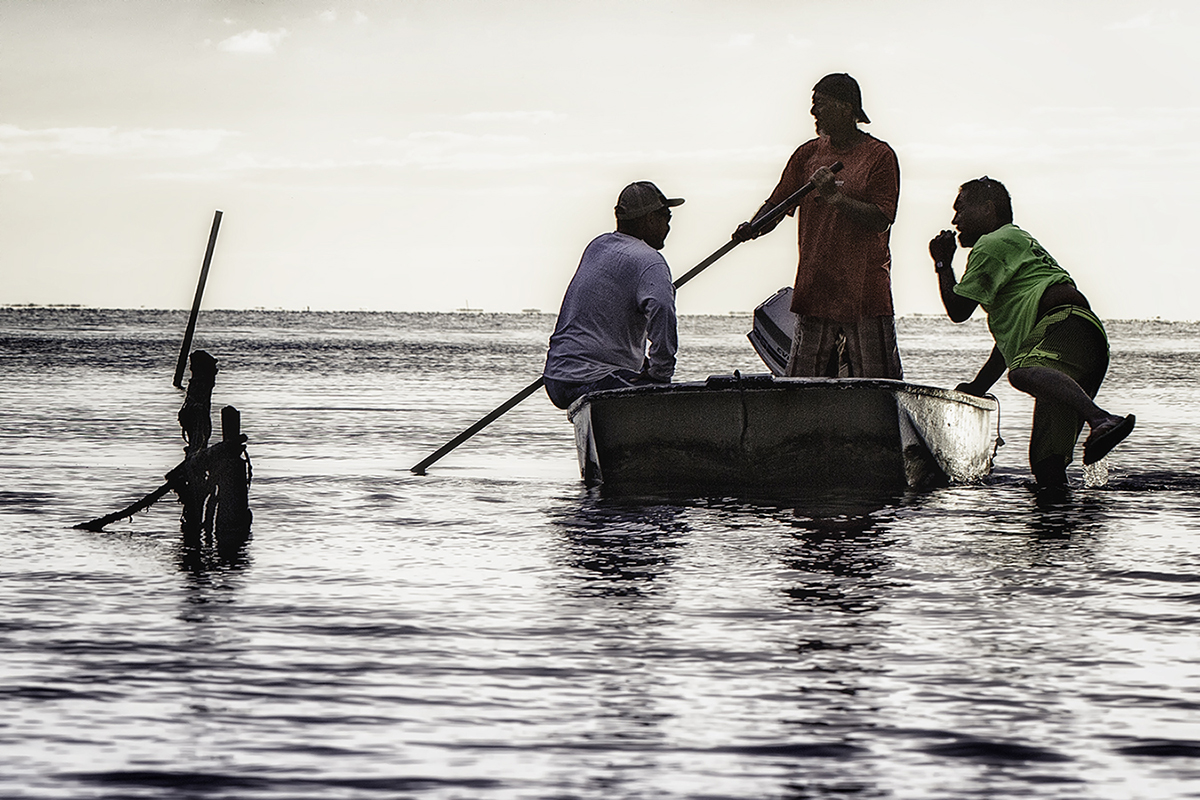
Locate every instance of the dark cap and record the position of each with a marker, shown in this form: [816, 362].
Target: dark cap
[640, 198]
[841, 86]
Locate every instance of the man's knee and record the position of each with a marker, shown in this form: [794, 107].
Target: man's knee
[561, 393]
[1023, 379]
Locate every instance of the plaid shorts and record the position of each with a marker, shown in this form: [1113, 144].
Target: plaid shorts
[827, 348]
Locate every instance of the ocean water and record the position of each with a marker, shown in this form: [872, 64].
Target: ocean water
[494, 629]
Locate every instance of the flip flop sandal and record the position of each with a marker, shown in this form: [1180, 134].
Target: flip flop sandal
[1099, 444]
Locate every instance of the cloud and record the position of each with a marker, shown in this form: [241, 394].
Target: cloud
[254, 42]
[452, 151]
[513, 116]
[1141, 22]
[15, 174]
[1062, 135]
[134, 142]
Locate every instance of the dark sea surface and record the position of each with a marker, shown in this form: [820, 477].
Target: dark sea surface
[496, 630]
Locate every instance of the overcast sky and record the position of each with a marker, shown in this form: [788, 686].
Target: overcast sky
[427, 156]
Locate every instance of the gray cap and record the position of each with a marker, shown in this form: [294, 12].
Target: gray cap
[642, 197]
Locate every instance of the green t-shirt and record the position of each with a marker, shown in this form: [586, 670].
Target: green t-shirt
[1006, 273]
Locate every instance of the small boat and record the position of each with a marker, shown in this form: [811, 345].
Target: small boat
[778, 436]
[763, 434]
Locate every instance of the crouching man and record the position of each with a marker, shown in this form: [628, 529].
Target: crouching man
[1046, 335]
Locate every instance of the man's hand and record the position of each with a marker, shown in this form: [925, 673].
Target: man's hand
[825, 182]
[942, 248]
[989, 373]
[744, 233]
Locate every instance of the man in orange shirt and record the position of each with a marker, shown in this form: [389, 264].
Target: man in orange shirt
[843, 292]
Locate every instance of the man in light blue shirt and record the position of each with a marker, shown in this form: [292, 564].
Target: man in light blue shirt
[617, 323]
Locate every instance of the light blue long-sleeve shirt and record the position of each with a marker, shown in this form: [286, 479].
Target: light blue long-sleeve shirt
[620, 299]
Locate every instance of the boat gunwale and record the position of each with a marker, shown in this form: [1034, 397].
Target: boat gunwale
[766, 382]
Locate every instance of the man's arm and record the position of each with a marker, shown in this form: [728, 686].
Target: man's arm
[791, 180]
[942, 248]
[657, 302]
[868, 215]
[745, 233]
[989, 373]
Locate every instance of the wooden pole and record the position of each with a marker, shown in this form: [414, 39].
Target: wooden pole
[496, 413]
[757, 225]
[231, 475]
[98, 524]
[181, 364]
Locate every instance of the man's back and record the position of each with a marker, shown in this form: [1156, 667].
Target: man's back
[621, 295]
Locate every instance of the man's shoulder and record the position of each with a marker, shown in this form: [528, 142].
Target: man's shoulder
[1006, 236]
[873, 149]
[869, 153]
[1001, 249]
[617, 245]
[615, 241]
[805, 151]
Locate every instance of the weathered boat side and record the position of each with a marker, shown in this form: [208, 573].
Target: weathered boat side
[781, 435]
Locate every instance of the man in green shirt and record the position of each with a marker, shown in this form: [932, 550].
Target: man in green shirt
[1046, 335]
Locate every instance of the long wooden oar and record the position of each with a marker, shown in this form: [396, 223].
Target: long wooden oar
[184, 350]
[756, 225]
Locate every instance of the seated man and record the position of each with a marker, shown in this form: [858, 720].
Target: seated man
[620, 299]
[1046, 335]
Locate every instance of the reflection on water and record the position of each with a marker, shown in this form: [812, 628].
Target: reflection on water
[841, 551]
[496, 630]
[617, 548]
[1066, 514]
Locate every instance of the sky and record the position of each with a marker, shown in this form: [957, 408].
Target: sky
[430, 156]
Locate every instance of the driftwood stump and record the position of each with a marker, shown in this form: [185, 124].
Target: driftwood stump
[214, 489]
[212, 482]
[195, 416]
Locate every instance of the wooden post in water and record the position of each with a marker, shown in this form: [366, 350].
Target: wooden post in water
[191, 326]
[195, 415]
[231, 474]
[193, 484]
[212, 482]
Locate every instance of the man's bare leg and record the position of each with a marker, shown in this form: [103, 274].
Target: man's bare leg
[1050, 384]
[1043, 382]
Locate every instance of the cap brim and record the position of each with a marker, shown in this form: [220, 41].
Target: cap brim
[674, 201]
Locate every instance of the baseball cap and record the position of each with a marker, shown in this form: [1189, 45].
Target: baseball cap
[642, 197]
[841, 86]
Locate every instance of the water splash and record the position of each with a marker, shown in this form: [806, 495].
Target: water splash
[1095, 474]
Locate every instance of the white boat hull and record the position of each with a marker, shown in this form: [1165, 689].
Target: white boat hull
[767, 435]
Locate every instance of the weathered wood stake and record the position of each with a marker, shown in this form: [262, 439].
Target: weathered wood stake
[195, 416]
[232, 475]
[191, 326]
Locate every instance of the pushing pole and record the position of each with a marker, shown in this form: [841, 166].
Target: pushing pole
[181, 364]
[757, 224]
[496, 413]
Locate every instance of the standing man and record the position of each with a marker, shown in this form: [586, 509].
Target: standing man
[1046, 335]
[843, 291]
[620, 300]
